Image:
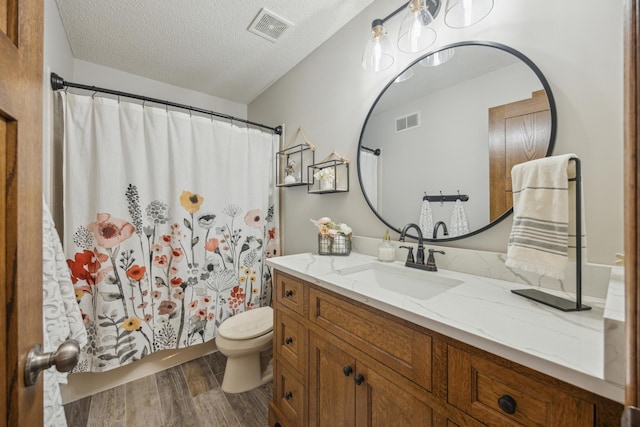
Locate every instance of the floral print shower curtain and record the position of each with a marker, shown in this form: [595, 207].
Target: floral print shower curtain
[168, 221]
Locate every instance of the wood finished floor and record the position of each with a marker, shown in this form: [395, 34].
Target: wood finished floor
[186, 395]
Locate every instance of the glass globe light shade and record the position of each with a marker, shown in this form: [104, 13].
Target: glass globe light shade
[415, 35]
[438, 58]
[378, 55]
[404, 76]
[464, 13]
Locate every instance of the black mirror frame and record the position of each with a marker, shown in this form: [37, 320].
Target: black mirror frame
[552, 137]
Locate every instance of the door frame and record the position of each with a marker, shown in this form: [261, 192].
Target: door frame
[631, 200]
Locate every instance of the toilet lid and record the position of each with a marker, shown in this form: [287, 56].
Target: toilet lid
[248, 324]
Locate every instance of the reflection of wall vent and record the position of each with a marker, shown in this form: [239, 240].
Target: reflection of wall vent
[407, 122]
[268, 25]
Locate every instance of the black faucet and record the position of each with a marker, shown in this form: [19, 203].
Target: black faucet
[419, 260]
[445, 232]
[431, 261]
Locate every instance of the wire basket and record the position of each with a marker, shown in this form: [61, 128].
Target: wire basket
[334, 245]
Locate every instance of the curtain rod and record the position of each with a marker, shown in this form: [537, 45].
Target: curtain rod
[375, 151]
[58, 83]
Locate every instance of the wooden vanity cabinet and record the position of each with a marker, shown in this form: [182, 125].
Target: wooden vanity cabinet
[338, 362]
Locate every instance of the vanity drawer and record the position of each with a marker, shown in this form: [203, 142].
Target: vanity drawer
[496, 395]
[400, 347]
[289, 395]
[289, 292]
[290, 341]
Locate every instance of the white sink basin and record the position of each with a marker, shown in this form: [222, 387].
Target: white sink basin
[400, 279]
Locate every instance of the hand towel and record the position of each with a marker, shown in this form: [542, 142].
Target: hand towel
[459, 225]
[426, 219]
[543, 215]
[61, 318]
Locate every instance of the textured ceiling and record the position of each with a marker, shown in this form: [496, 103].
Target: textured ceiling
[202, 45]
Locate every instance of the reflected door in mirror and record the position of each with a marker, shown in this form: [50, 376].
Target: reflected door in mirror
[518, 132]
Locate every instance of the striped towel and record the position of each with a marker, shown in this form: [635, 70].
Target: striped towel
[426, 219]
[544, 214]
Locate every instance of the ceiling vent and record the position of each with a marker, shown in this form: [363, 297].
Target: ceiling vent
[269, 25]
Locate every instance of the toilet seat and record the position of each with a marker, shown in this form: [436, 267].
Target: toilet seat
[248, 324]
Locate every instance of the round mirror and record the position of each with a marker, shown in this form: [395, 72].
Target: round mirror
[450, 127]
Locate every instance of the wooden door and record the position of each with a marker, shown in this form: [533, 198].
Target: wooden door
[331, 387]
[21, 29]
[632, 210]
[518, 132]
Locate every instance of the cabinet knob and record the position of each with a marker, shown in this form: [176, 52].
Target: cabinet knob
[288, 340]
[288, 293]
[359, 379]
[348, 370]
[507, 404]
[288, 395]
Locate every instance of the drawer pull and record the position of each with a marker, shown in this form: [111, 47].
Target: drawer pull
[507, 404]
[359, 379]
[288, 340]
[288, 293]
[288, 395]
[348, 370]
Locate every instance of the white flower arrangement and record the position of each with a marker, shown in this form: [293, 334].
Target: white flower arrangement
[290, 168]
[326, 174]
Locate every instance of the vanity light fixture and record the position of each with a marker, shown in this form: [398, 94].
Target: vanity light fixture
[415, 33]
[378, 55]
[464, 13]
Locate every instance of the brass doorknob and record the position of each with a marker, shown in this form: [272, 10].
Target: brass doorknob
[64, 359]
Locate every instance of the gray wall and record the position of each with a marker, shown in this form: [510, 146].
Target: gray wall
[577, 45]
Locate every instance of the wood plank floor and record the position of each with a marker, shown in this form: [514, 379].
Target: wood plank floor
[183, 396]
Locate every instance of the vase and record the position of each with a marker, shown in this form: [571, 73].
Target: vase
[326, 184]
[290, 179]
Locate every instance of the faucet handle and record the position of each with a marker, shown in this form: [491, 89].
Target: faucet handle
[431, 260]
[410, 254]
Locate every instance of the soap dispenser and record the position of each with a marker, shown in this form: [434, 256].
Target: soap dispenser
[386, 251]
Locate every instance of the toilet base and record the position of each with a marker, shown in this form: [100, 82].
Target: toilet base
[244, 373]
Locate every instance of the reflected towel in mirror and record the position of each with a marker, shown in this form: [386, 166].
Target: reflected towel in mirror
[426, 218]
[459, 225]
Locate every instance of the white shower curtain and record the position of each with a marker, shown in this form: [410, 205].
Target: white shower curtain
[168, 221]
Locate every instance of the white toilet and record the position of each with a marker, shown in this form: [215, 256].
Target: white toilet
[243, 338]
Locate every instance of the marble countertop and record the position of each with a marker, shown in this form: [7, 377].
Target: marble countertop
[484, 313]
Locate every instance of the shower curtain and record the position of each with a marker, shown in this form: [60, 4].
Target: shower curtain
[168, 221]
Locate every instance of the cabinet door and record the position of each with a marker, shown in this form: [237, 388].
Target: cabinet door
[382, 400]
[288, 395]
[331, 384]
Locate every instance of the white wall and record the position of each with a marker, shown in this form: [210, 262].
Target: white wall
[576, 44]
